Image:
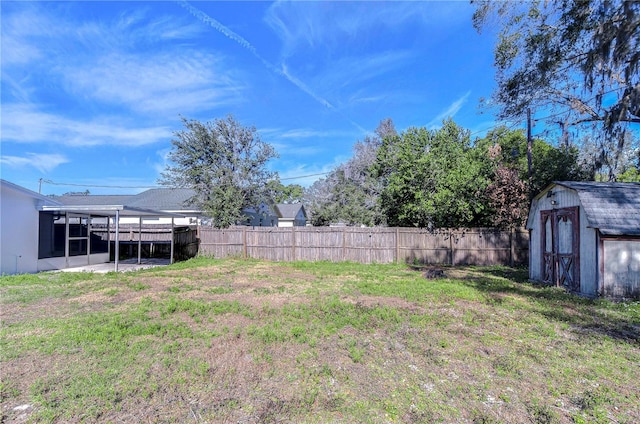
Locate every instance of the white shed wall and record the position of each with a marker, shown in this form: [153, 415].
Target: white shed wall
[565, 198]
[18, 232]
[621, 268]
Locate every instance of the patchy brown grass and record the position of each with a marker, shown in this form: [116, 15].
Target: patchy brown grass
[254, 342]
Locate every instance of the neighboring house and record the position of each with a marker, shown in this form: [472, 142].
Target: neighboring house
[585, 236]
[19, 228]
[40, 233]
[264, 216]
[166, 200]
[291, 215]
[170, 201]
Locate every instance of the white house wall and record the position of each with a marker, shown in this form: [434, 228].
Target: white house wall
[18, 232]
[621, 268]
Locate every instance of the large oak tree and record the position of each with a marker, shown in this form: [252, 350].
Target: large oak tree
[225, 164]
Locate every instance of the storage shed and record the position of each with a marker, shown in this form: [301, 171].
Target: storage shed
[585, 236]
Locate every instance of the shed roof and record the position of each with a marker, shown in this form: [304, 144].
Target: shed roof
[613, 208]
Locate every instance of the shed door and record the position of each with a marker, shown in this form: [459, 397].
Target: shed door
[561, 247]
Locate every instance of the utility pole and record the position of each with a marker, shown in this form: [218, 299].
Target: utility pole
[529, 149]
[40, 186]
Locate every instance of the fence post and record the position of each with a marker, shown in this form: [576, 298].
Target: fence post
[344, 243]
[397, 245]
[511, 247]
[244, 242]
[451, 252]
[293, 243]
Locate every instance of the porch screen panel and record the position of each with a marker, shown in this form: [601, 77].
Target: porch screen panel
[51, 235]
[78, 235]
[99, 235]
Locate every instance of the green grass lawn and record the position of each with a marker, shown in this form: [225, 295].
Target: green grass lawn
[252, 342]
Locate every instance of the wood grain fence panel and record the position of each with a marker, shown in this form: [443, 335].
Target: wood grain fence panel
[481, 246]
[221, 243]
[473, 246]
[424, 246]
[370, 245]
[319, 244]
[270, 243]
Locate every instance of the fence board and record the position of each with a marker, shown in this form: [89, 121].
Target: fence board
[471, 246]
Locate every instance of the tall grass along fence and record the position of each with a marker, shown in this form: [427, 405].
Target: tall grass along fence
[471, 246]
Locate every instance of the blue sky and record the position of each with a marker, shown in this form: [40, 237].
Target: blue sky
[93, 91]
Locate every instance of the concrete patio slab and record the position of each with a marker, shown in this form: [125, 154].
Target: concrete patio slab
[123, 266]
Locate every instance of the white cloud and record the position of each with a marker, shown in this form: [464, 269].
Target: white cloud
[125, 60]
[303, 25]
[43, 162]
[25, 124]
[166, 83]
[449, 112]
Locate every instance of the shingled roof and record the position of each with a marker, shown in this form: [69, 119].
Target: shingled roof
[288, 210]
[613, 208]
[164, 199]
[161, 199]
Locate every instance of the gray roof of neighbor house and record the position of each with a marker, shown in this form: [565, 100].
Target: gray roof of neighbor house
[165, 199]
[289, 211]
[161, 199]
[92, 199]
[613, 208]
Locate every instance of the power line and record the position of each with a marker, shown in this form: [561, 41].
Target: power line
[304, 176]
[94, 185]
[63, 184]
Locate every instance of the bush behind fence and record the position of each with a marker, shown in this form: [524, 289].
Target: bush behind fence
[470, 246]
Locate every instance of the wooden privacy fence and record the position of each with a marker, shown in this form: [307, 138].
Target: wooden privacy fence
[471, 246]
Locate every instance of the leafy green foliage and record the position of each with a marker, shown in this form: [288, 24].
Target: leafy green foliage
[225, 163]
[350, 193]
[280, 193]
[575, 60]
[431, 178]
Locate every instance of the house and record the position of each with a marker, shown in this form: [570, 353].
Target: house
[40, 233]
[19, 228]
[170, 201]
[585, 236]
[291, 215]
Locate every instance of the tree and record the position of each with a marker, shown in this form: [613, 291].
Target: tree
[350, 193]
[507, 194]
[576, 60]
[431, 178]
[224, 163]
[619, 167]
[280, 193]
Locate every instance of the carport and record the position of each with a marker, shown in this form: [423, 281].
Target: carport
[66, 233]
